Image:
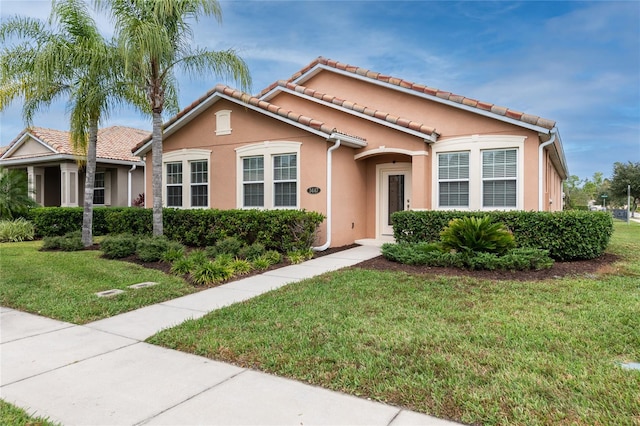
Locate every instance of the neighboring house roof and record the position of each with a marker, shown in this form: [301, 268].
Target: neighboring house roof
[114, 145]
[225, 92]
[419, 89]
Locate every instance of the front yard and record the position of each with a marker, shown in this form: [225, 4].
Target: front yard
[471, 350]
[62, 285]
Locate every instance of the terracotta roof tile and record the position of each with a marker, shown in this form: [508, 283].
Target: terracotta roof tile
[380, 115]
[114, 143]
[498, 110]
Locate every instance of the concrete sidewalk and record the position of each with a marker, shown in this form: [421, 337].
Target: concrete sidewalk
[102, 372]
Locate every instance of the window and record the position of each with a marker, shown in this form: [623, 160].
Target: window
[199, 183]
[186, 178]
[253, 181]
[499, 178]
[453, 179]
[284, 180]
[98, 188]
[268, 175]
[174, 184]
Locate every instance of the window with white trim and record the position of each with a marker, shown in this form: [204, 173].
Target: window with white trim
[253, 181]
[186, 178]
[453, 179]
[500, 178]
[98, 188]
[268, 175]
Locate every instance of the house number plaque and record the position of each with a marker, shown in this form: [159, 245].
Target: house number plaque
[313, 190]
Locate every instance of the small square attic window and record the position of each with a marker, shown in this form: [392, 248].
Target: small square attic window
[223, 122]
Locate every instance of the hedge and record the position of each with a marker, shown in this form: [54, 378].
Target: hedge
[567, 235]
[282, 230]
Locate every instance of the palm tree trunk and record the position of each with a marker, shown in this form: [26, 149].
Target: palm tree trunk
[156, 154]
[89, 183]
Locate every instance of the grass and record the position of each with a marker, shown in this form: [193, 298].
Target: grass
[482, 352]
[62, 285]
[12, 415]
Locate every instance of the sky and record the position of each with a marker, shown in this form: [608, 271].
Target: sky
[577, 63]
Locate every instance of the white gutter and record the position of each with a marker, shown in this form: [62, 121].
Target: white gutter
[131, 170]
[329, 182]
[540, 166]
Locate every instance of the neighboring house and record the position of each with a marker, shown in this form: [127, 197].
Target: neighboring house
[55, 170]
[356, 146]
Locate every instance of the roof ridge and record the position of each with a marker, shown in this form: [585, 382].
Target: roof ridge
[424, 89]
[362, 109]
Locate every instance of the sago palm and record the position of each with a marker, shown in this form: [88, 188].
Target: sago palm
[156, 37]
[476, 235]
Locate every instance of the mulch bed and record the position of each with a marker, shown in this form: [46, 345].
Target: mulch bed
[586, 268]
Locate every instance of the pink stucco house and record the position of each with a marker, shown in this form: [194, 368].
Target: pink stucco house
[55, 170]
[356, 145]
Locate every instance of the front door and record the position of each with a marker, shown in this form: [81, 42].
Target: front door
[395, 194]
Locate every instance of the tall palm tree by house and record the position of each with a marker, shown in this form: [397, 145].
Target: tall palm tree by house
[65, 57]
[155, 37]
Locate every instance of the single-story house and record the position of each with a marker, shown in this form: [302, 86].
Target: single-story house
[55, 168]
[356, 146]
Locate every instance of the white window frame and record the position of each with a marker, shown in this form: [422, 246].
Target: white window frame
[486, 179]
[476, 144]
[186, 157]
[453, 180]
[268, 150]
[106, 188]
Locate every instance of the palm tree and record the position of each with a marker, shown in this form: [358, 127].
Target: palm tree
[67, 56]
[155, 37]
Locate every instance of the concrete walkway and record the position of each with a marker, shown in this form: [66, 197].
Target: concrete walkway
[102, 372]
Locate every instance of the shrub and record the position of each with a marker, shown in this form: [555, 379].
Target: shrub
[72, 241]
[241, 266]
[568, 235]
[211, 273]
[174, 252]
[51, 243]
[429, 254]
[476, 235]
[151, 249]
[299, 256]
[229, 245]
[16, 230]
[273, 257]
[261, 263]
[182, 266]
[130, 220]
[14, 194]
[119, 246]
[252, 252]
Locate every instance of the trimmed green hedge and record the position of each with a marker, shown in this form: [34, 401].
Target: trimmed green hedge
[567, 235]
[283, 230]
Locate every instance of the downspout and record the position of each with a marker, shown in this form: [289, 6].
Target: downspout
[326, 245]
[131, 170]
[540, 167]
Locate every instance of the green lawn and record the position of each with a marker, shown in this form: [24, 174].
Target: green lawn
[62, 285]
[503, 352]
[14, 416]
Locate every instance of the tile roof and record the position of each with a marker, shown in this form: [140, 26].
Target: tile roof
[380, 115]
[114, 142]
[420, 88]
[256, 102]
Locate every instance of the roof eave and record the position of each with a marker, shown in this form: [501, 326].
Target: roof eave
[64, 157]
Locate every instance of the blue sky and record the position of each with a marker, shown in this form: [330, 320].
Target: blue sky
[577, 63]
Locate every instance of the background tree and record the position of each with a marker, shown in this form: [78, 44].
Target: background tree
[156, 37]
[65, 57]
[14, 194]
[623, 176]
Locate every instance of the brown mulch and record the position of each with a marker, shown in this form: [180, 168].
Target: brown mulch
[587, 268]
